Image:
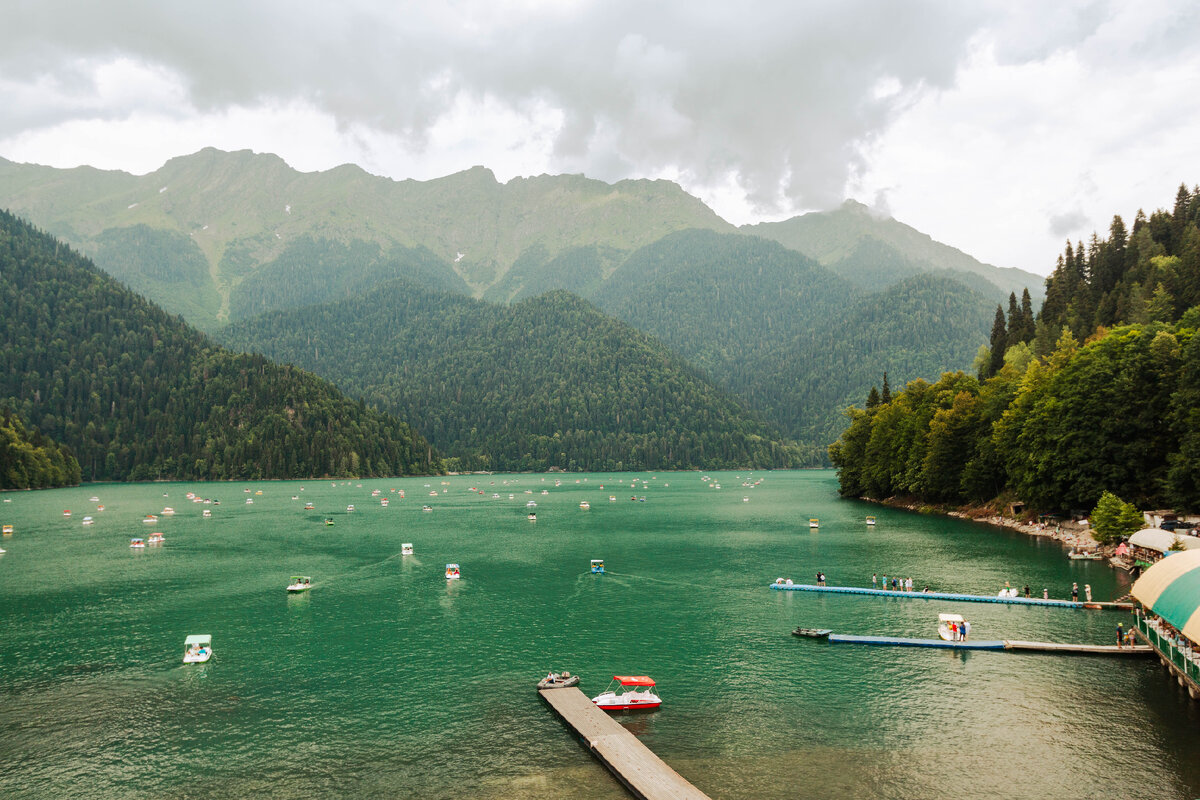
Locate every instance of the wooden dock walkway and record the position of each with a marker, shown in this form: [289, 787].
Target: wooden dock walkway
[644, 774]
[997, 644]
[968, 598]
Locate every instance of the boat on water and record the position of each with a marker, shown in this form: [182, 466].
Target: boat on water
[532, 517]
[406, 549]
[585, 505]
[814, 523]
[7, 530]
[556, 680]
[531, 504]
[612, 498]
[813, 633]
[350, 507]
[870, 520]
[329, 520]
[944, 631]
[93, 499]
[155, 538]
[597, 566]
[1083, 555]
[427, 508]
[383, 501]
[88, 520]
[300, 583]
[66, 512]
[197, 649]
[452, 572]
[309, 506]
[249, 501]
[206, 514]
[168, 512]
[137, 543]
[638, 694]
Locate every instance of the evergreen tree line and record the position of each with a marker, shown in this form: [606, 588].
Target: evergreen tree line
[1057, 425]
[29, 460]
[548, 382]
[136, 394]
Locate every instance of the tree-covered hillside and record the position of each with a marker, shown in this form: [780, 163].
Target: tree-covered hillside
[871, 251]
[137, 394]
[793, 340]
[1066, 409]
[28, 460]
[549, 382]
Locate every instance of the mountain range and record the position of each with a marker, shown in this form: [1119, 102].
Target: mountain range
[791, 321]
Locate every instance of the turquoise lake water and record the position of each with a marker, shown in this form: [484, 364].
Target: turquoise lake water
[385, 680]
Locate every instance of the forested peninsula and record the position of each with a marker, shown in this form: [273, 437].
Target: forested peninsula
[1100, 393]
[136, 394]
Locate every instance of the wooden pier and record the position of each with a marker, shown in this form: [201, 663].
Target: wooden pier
[967, 598]
[644, 774]
[997, 644]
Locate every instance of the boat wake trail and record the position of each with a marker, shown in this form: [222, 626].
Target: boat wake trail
[708, 587]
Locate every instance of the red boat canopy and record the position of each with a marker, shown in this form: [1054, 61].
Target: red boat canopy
[634, 680]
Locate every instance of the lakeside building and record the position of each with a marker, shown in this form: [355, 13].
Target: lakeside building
[1150, 545]
[1169, 620]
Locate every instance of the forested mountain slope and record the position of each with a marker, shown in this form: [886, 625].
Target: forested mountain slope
[549, 382]
[245, 212]
[137, 394]
[1069, 408]
[28, 460]
[872, 250]
[792, 339]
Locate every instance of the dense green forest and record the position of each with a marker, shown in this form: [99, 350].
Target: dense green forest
[783, 333]
[549, 382]
[312, 271]
[137, 394]
[1064, 408]
[28, 460]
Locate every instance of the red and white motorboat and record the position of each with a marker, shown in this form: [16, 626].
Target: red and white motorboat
[640, 697]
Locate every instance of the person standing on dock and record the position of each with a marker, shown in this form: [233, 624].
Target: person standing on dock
[1087, 591]
[1120, 634]
[966, 629]
[1045, 594]
[874, 581]
[1027, 590]
[885, 583]
[1074, 592]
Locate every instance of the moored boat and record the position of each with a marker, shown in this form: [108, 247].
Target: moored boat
[638, 694]
[950, 627]
[556, 680]
[812, 633]
[197, 649]
[1083, 555]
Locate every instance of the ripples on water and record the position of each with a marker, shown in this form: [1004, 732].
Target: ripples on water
[386, 681]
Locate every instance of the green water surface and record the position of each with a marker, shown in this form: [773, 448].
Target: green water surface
[385, 680]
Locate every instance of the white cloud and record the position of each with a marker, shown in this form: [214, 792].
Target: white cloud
[993, 126]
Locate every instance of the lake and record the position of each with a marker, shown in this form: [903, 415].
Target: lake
[386, 680]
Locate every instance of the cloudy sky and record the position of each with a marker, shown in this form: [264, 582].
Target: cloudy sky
[1001, 128]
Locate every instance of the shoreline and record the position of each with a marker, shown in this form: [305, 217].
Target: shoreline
[1069, 532]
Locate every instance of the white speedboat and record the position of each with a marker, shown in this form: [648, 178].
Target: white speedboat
[300, 583]
[638, 695]
[197, 649]
[944, 622]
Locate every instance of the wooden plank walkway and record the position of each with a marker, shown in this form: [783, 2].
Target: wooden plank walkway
[644, 774]
[1001, 644]
[969, 598]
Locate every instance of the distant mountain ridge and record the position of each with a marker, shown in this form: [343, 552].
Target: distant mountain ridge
[854, 242]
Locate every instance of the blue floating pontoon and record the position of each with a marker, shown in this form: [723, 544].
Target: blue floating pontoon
[969, 598]
[900, 641]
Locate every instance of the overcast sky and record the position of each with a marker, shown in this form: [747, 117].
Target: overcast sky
[1001, 128]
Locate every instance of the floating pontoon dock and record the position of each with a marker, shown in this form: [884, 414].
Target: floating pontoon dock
[968, 598]
[996, 644]
[644, 774]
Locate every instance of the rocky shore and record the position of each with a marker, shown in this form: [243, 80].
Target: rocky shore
[1069, 532]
